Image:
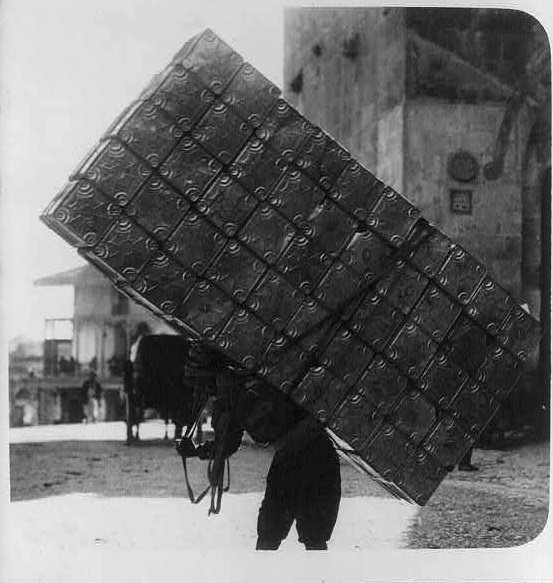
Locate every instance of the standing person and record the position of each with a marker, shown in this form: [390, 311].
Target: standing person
[466, 465]
[303, 483]
[92, 394]
[135, 413]
[142, 330]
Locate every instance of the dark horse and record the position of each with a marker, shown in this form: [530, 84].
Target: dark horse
[156, 381]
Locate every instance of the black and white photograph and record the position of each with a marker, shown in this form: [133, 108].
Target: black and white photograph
[276, 291]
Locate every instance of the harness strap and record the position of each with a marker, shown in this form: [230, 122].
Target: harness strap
[197, 408]
[217, 460]
[216, 466]
[194, 499]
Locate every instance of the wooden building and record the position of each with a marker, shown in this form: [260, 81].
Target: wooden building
[97, 337]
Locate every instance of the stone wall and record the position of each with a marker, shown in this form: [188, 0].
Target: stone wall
[391, 136]
[434, 132]
[367, 94]
[492, 40]
[333, 52]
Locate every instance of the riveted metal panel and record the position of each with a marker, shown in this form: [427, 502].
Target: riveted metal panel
[388, 451]
[346, 356]
[320, 392]
[164, 283]
[499, 371]
[448, 441]
[414, 415]
[411, 349]
[442, 380]
[221, 132]
[521, 334]
[227, 204]
[275, 300]
[461, 275]
[236, 270]
[382, 385]
[490, 306]
[251, 95]
[420, 476]
[157, 207]
[435, 312]
[376, 321]
[357, 421]
[296, 196]
[357, 190]
[224, 211]
[473, 407]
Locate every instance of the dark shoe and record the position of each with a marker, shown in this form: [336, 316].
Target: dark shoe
[316, 546]
[468, 468]
[267, 545]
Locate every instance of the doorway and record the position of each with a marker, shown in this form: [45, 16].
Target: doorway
[536, 274]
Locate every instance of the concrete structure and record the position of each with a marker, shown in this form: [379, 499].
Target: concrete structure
[451, 107]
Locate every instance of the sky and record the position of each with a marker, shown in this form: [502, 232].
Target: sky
[67, 69]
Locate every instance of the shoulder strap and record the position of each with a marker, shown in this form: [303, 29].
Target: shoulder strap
[197, 408]
[217, 461]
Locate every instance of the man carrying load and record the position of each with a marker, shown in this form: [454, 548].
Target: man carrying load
[303, 483]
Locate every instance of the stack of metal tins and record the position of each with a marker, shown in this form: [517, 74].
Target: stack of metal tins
[215, 204]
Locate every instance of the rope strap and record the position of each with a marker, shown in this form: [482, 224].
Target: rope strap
[217, 461]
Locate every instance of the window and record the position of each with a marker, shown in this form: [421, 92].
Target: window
[461, 202]
[119, 304]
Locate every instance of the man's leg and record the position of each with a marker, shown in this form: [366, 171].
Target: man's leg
[275, 516]
[466, 465]
[319, 499]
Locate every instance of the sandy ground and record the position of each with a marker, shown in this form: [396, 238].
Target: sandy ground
[80, 495]
[78, 489]
[110, 431]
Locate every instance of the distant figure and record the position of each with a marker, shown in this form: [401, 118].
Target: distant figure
[92, 393]
[62, 365]
[27, 414]
[466, 465]
[135, 413]
[141, 330]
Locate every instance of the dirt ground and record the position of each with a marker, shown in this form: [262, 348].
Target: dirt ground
[148, 468]
[503, 504]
